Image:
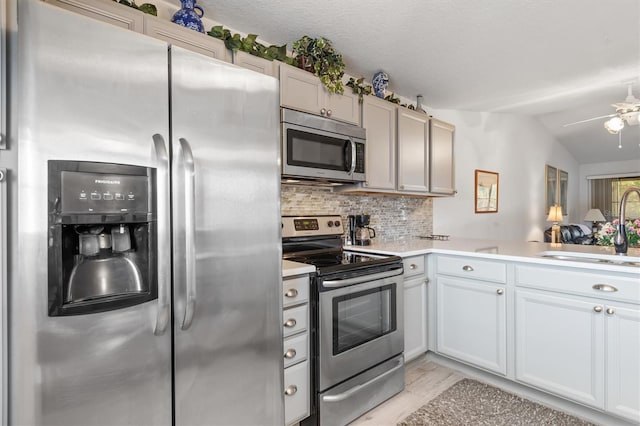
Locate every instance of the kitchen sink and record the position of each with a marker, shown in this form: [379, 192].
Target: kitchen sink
[606, 259]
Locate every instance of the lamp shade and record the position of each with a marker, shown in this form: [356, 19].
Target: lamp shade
[555, 214]
[594, 215]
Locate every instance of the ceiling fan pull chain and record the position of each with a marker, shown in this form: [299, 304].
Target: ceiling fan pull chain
[620, 139]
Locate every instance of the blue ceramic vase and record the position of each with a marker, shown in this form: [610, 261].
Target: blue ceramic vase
[380, 82]
[189, 16]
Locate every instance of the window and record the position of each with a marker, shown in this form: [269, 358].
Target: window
[607, 192]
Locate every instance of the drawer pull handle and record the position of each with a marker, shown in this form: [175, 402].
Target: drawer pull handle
[413, 266]
[610, 311]
[291, 353]
[291, 293]
[291, 390]
[604, 287]
[467, 268]
[598, 309]
[291, 322]
[500, 291]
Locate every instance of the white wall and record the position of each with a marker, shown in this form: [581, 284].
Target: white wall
[613, 168]
[517, 147]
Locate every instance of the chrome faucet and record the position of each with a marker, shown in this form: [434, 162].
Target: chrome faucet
[621, 241]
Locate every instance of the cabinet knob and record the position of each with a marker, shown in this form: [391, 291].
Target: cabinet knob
[597, 309]
[291, 353]
[291, 390]
[413, 266]
[467, 268]
[291, 292]
[500, 291]
[610, 311]
[291, 322]
[323, 111]
[328, 113]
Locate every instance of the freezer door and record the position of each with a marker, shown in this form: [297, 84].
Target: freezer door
[87, 92]
[227, 272]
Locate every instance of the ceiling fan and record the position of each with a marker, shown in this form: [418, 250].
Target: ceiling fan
[627, 112]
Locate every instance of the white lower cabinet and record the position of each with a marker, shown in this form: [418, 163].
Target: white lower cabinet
[415, 317]
[471, 322]
[295, 348]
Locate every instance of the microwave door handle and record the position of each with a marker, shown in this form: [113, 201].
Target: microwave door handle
[353, 157]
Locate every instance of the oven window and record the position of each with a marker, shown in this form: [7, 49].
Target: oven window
[363, 316]
[317, 151]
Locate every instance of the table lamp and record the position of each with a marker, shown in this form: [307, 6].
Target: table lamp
[555, 216]
[595, 216]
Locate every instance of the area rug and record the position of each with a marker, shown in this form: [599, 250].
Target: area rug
[469, 402]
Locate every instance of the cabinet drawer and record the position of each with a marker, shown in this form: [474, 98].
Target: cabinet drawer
[413, 266]
[592, 284]
[295, 349]
[296, 392]
[468, 267]
[295, 291]
[294, 320]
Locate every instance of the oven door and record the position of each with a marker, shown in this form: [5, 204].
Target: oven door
[315, 153]
[360, 324]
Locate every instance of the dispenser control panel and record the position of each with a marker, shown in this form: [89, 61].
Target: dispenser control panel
[83, 192]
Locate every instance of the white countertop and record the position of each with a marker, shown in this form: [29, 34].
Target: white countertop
[290, 268]
[506, 250]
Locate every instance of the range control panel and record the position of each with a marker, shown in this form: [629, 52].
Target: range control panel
[299, 226]
[83, 192]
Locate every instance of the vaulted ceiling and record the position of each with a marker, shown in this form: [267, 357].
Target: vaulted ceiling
[557, 60]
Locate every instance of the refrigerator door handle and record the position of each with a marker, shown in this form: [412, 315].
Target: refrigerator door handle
[164, 257]
[190, 232]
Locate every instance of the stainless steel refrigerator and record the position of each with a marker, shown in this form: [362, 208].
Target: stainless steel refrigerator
[146, 280]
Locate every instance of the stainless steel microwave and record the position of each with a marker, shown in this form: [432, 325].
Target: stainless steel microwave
[320, 148]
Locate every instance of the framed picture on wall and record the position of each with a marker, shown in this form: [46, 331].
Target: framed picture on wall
[551, 179]
[563, 189]
[486, 192]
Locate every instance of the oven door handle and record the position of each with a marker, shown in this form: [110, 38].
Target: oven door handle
[344, 395]
[361, 279]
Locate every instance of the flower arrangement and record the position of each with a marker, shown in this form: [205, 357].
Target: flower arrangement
[607, 233]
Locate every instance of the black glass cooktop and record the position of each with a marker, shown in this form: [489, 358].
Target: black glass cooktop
[340, 260]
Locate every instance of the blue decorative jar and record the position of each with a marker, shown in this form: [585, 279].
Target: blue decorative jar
[380, 82]
[189, 16]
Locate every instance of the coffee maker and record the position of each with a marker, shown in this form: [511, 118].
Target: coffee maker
[360, 232]
[102, 237]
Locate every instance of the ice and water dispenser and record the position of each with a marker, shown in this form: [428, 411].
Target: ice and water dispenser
[102, 237]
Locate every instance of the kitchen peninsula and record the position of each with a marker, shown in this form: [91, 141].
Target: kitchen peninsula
[562, 319]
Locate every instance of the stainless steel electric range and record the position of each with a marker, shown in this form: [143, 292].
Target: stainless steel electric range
[357, 320]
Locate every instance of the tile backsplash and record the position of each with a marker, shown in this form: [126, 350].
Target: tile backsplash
[392, 217]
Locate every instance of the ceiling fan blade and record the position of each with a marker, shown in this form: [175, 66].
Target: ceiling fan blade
[589, 119]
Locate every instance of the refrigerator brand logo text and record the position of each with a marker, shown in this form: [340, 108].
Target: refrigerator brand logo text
[111, 182]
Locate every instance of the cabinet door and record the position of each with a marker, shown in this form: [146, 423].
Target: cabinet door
[560, 346]
[254, 63]
[105, 11]
[343, 107]
[623, 361]
[415, 317]
[413, 154]
[379, 119]
[188, 39]
[300, 90]
[441, 157]
[471, 322]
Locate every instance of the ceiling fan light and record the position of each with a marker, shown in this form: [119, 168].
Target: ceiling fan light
[614, 125]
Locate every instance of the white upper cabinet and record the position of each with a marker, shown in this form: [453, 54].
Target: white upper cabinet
[413, 151]
[379, 118]
[303, 91]
[441, 157]
[105, 11]
[254, 63]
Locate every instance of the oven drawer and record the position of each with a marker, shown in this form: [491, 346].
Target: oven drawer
[295, 349]
[296, 392]
[295, 291]
[294, 320]
[413, 266]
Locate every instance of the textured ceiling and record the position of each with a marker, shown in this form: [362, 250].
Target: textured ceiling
[558, 60]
